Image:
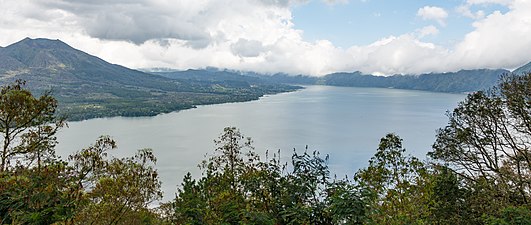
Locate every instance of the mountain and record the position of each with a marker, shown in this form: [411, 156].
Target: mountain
[458, 82]
[293, 79]
[455, 82]
[87, 86]
[219, 75]
[523, 69]
[212, 76]
[48, 63]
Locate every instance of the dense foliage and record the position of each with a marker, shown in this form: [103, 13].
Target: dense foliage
[478, 173]
[487, 143]
[239, 188]
[37, 187]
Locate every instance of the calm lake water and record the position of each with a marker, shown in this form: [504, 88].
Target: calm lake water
[346, 123]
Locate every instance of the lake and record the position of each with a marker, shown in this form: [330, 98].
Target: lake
[344, 122]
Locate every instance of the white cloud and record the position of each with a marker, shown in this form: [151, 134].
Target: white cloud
[433, 13]
[332, 2]
[498, 40]
[247, 48]
[465, 11]
[427, 31]
[396, 55]
[499, 2]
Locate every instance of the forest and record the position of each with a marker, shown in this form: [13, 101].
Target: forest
[478, 172]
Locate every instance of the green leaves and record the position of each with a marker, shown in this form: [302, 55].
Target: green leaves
[347, 203]
[237, 187]
[114, 190]
[487, 144]
[36, 187]
[395, 185]
[36, 196]
[27, 127]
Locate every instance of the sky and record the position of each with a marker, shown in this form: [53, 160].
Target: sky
[312, 37]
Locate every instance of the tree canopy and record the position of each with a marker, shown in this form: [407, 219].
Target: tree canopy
[487, 143]
[37, 187]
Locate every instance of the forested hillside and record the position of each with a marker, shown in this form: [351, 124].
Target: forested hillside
[463, 81]
[458, 82]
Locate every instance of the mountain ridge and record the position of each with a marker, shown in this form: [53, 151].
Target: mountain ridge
[462, 81]
[456, 82]
[57, 57]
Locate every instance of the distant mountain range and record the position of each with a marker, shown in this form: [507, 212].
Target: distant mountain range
[455, 82]
[87, 86]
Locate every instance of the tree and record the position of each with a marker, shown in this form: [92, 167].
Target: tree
[397, 185]
[237, 187]
[228, 158]
[347, 203]
[305, 190]
[28, 125]
[114, 191]
[487, 142]
[223, 183]
[36, 196]
[33, 182]
[511, 216]
[219, 196]
[448, 201]
[36, 187]
[190, 205]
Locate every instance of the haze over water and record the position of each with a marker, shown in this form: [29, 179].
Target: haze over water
[344, 122]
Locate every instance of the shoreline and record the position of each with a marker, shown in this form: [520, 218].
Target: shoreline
[298, 88]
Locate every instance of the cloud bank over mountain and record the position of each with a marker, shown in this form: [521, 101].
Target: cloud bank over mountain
[259, 35]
